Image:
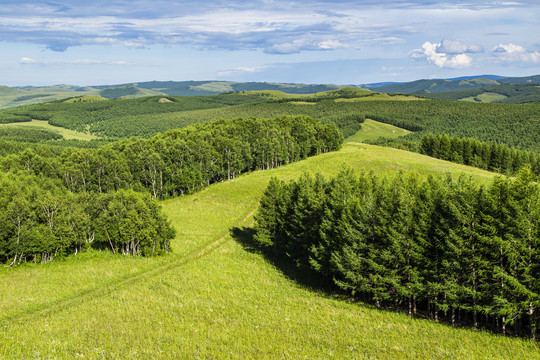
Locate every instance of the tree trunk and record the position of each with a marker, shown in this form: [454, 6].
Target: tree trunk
[532, 325]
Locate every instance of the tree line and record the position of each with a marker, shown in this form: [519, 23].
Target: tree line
[485, 155]
[59, 204]
[442, 247]
[185, 160]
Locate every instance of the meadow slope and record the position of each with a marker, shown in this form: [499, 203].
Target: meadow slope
[212, 298]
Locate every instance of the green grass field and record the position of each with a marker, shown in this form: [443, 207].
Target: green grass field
[66, 133]
[213, 298]
[372, 130]
[486, 97]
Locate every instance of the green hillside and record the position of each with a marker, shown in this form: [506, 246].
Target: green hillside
[515, 125]
[372, 130]
[428, 86]
[126, 92]
[12, 97]
[195, 88]
[512, 94]
[435, 86]
[215, 297]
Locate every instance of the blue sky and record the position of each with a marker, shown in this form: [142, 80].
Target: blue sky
[315, 41]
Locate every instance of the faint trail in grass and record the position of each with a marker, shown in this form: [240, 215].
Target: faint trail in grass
[117, 284]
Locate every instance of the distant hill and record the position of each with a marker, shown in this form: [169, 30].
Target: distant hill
[456, 84]
[513, 94]
[26, 95]
[196, 88]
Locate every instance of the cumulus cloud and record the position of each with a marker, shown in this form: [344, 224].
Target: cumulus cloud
[448, 46]
[511, 53]
[276, 27]
[450, 58]
[272, 26]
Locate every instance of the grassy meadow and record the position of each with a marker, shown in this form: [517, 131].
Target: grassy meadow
[67, 134]
[215, 297]
[372, 130]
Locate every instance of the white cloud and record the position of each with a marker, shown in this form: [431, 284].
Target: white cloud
[442, 60]
[448, 46]
[30, 61]
[239, 71]
[511, 53]
[298, 45]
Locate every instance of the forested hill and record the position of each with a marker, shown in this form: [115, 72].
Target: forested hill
[511, 94]
[25, 95]
[11, 97]
[445, 85]
[516, 125]
[194, 88]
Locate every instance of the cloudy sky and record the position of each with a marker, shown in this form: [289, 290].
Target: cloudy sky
[313, 41]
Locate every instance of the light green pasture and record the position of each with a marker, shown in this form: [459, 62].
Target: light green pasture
[372, 130]
[66, 133]
[213, 299]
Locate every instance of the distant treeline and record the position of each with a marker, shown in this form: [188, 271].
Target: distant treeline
[58, 204]
[445, 248]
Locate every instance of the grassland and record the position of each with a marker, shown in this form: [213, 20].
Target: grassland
[66, 133]
[215, 298]
[372, 130]
[486, 97]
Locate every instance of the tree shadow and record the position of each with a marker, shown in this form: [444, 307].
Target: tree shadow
[303, 276]
[313, 281]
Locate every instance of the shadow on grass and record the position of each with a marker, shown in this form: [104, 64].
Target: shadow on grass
[305, 277]
[313, 281]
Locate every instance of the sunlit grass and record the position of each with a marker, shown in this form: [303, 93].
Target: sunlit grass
[372, 130]
[66, 133]
[214, 299]
[486, 97]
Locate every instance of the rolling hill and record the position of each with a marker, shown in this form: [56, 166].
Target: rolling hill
[509, 94]
[216, 297]
[25, 95]
[448, 85]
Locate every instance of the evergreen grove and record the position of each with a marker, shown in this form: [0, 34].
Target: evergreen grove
[445, 248]
[106, 197]
[481, 154]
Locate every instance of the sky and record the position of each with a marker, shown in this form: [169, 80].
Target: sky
[101, 42]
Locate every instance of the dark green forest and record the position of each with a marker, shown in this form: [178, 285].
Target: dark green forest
[516, 94]
[516, 125]
[444, 248]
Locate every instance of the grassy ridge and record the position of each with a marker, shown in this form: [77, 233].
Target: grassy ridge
[42, 124]
[372, 130]
[214, 299]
